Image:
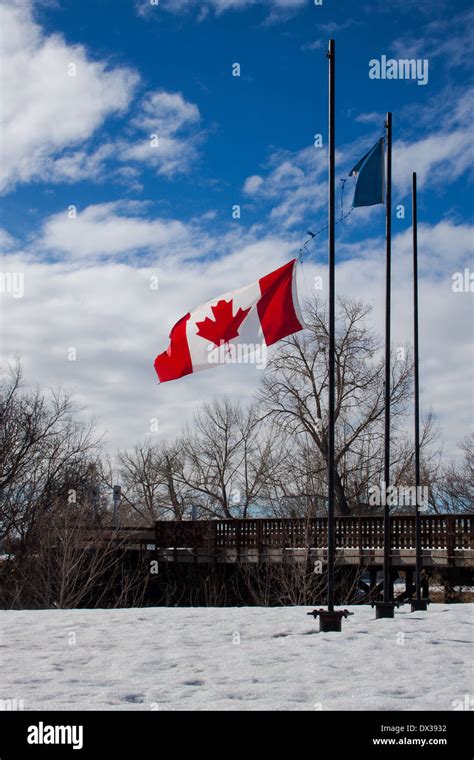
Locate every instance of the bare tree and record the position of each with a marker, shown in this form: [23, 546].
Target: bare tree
[47, 445]
[71, 564]
[151, 484]
[226, 459]
[291, 484]
[294, 392]
[453, 489]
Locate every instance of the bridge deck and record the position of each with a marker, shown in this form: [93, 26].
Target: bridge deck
[447, 540]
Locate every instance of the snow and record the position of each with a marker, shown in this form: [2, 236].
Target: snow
[244, 658]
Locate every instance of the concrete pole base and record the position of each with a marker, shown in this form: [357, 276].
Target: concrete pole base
[384, 610]
[419, 605]
[329, 620]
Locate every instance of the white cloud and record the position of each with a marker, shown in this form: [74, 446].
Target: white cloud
[445, 317]
[110, 230]
[145, 8]
[165, 113]
[252, 184]
[44, 108]
[315, 45]
[118, 323]
[443, 248]
[163, 134]
[295, 182]
[332, 27]
[166, 133]
[287, 183]
[373, 117]
[449, 37]
[97, 297]
[76, 165]
[329, 30]
[7, 241]
[438, 157]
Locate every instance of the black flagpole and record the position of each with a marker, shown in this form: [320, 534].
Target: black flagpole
[332, 321]
[386, 608]
[418, 603]
[330, 619]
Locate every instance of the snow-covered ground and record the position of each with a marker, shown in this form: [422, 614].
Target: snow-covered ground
[235, 659]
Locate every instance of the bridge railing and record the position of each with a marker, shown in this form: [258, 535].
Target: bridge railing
[446, 532]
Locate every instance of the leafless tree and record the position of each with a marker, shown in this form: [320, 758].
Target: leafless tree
[71, 563]
[226, 459]
[453, 488]
[294, 582]
[47, 447]
[294, 393]
[151, 485]
[293, 485]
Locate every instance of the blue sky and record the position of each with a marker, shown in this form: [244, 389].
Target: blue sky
[84, 140]
[278, 102]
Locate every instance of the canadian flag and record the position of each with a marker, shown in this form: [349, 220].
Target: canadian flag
[235, 325]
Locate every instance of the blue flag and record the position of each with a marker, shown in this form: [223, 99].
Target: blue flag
[370, 172]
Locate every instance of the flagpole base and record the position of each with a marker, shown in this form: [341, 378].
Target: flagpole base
[419, 605]
[384, 610]
[330, 620]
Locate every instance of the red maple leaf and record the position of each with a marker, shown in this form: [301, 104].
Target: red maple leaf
[225, 324]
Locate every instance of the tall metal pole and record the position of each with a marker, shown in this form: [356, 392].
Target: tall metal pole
[417, 386]
[331, 619]
[419, 603]
[332, 325]
[387, 591]
[386, 607]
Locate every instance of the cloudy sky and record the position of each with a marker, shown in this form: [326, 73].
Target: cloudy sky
[93, 210]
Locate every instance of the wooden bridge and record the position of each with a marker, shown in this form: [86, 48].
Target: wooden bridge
[447, 540]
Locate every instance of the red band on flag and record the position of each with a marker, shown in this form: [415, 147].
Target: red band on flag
[176, 360]
[260, 313]
[275, 308]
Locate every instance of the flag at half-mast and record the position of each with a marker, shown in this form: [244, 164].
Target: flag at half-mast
[256, 315]
[370, 173]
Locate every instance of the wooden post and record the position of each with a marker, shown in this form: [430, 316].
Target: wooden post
[450, 538]
[259, 540]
